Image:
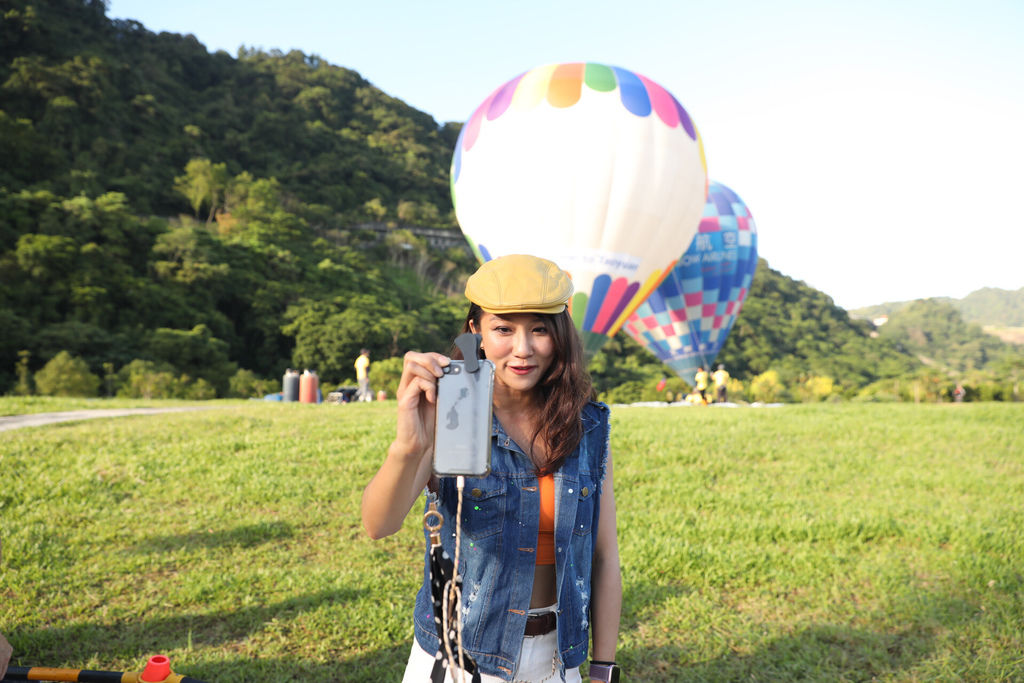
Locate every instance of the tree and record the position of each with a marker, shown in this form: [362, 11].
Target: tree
[386, 374]
[189, 254]
[203, 184]
[815, 388]
[24, 385]
[1010, 367]
[766, 387]
[375, 209]
[329, 334]
[196, 353]
[15, 338]
[408, 211]
[66, 375]
[46, 258]
[109, 378]
[92, 343]
[622, 360]
[146, 379]
[245, 384]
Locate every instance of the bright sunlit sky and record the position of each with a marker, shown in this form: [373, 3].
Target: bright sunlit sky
[879, 144]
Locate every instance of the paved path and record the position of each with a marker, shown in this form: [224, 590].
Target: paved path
[38, 419]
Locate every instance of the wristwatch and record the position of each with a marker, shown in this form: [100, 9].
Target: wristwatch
[607, 672]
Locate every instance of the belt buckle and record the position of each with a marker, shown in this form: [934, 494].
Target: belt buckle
[540, 624]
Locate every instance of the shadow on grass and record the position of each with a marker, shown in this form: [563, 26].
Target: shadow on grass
[902, 638]
[246, 536]
[894, 642]
[380, 666]
[155, 633]
[822, 652]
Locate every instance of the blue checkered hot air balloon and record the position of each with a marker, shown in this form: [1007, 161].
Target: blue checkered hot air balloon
[686, 320]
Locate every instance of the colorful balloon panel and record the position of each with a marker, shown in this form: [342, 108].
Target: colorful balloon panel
[687, 319]
[595, 167]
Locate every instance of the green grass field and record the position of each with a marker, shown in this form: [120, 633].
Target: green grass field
[811, 542]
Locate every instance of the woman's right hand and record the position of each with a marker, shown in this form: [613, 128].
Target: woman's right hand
[417, 401]
[391, 493]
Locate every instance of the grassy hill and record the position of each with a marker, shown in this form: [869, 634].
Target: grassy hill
[828, 542]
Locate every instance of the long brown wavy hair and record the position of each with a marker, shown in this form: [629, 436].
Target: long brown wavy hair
[564, 389]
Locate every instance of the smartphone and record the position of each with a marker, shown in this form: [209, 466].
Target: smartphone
[462, 427]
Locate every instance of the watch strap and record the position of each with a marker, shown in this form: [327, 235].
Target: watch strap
[609, 673]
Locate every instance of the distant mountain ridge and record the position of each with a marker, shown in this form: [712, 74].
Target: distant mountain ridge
[936, 332]
[988, 306]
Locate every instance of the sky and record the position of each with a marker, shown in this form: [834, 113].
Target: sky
[879, 144]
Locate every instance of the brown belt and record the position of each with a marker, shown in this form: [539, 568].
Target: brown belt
[539, 624]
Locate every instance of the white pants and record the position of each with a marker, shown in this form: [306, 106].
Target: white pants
[538, 662]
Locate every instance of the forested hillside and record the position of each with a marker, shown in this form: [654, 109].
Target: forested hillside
[799, 331]
[936, 333]
[94, 105]
[180, 223]
[191, 212]
[939, 334]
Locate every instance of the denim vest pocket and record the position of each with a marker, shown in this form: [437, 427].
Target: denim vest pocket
[483, 507]
[586, 500]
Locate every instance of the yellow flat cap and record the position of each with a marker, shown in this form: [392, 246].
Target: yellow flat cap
[519, 283]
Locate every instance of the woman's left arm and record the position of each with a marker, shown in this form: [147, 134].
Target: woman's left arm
[606, 579]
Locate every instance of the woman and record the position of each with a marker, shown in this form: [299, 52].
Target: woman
[540, 559]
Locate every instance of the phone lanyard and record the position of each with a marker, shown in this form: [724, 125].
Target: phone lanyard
[446, 591]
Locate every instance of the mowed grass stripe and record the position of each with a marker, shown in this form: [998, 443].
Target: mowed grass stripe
[831, 542]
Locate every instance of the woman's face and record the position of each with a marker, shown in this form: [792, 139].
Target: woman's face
[521, 347]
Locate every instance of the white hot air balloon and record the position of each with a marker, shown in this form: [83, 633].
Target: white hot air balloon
[594, 167]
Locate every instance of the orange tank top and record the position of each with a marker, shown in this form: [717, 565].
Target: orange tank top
[546, 532]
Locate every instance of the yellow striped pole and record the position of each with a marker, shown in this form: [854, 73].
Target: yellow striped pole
[157, 670]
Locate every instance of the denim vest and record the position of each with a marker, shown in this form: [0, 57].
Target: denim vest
[500, 518]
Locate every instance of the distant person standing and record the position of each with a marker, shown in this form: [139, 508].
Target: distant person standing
[700, 381]
[363, 376]
[958, 393]
[721, 379]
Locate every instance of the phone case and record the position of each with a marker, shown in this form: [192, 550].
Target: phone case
[462, 428]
